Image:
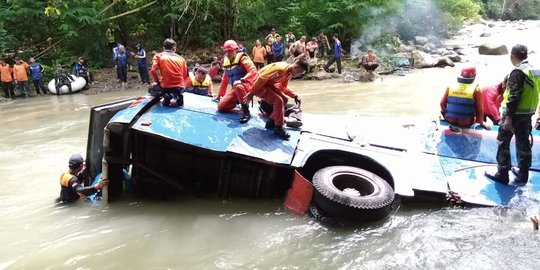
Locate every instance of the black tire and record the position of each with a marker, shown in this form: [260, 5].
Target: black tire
[352, 193]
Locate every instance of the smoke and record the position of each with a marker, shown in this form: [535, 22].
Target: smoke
[417, 17]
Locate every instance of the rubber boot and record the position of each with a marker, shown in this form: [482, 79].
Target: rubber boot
[270, 124]
[246, 116]
[280, 132]
[522, 176]
[501, 177]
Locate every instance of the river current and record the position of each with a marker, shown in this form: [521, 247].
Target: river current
[37, 136]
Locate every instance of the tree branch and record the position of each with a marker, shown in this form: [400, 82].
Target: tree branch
[131, 11]
[109, 6]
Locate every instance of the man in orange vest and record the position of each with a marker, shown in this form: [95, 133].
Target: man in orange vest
[6, 77]
[174, 75]
[239, 73]
[71, 182]
[20, 75]
[271, 86]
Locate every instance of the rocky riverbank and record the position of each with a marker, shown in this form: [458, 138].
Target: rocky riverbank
[475, 42]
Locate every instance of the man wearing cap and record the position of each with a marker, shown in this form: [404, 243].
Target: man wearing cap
[520, 101]
[6, 77]
[461, 105]
[174, 75]
[80, 70]
[271, 86]
[142, 66]
[71, 182]
[20, 74]
[240, 72]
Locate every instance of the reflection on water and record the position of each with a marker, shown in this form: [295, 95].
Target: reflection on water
[39, 134]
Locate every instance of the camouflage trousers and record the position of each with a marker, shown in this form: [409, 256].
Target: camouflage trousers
[522, 129]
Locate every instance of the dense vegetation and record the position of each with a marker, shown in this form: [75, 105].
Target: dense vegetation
[79, 27]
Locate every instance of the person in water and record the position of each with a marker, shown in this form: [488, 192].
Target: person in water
[271, 86]
[519, 105]
[72, 182]
[461, 105]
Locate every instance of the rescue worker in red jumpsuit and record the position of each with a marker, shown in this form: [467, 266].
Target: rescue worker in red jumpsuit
[271, 86]
[240, 72]
[461, 105]
[71, 182]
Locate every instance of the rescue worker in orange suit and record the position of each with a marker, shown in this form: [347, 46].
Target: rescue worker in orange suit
[461, 105]
[71, 182]
[6, 77]
[271, 86]
[492, 97]
[199, 82]
[240, 72]
[174, 75]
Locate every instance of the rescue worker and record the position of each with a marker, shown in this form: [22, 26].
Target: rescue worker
[240, 72]
[271, 86]
[121, 64]
[20, 74]
[142, 65]
[519, 104]
[71, 182]
[6, 77]
[36, 73]
[199, 82]
[492, 97]
[81, 70]
[461, 105]
[174, 75]
[61, 78]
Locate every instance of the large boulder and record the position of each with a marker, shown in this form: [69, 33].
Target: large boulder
[444, 62]
[422, 59]
[492, 49]
[454, 57]
[419, 40]
[321, 75]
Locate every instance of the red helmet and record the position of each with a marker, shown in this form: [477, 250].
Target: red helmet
[468, 72]
[230, 45]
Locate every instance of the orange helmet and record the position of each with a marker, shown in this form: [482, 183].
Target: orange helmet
[230, 45]
[468, 72]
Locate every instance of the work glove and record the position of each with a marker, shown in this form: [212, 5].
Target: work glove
[297, 100]
[537, 125]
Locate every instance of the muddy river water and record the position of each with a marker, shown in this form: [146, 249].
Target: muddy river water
[37, 135]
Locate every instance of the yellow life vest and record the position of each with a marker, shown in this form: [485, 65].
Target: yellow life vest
[460, 103]
[200, 85]
[234, 71]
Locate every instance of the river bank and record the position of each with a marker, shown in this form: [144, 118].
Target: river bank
[408, 57]
[39, 134]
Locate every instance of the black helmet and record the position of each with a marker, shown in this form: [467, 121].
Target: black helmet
[75, 161]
